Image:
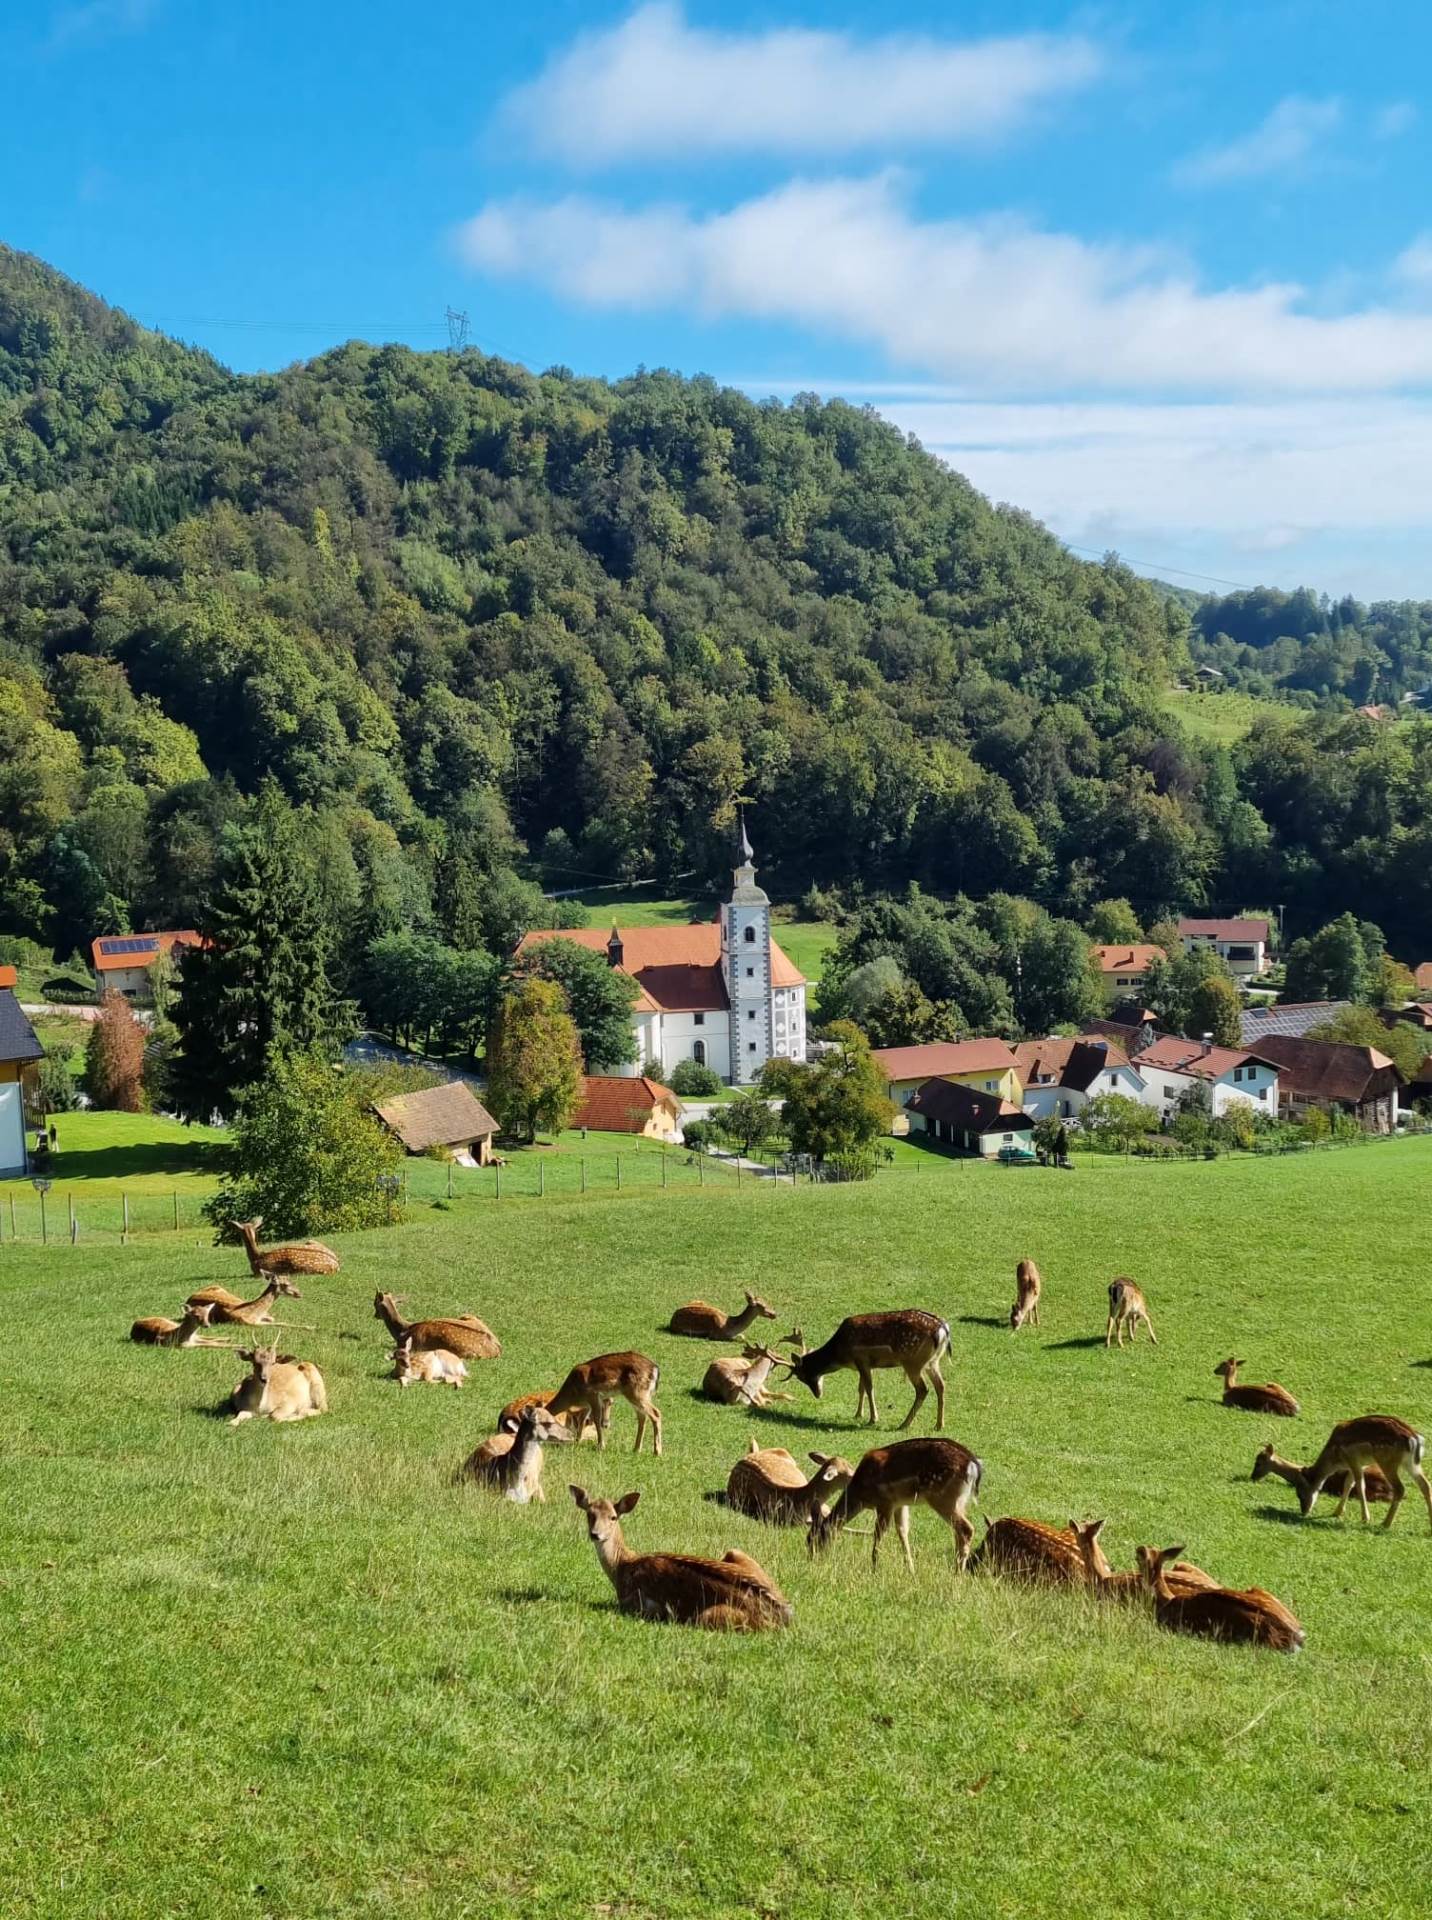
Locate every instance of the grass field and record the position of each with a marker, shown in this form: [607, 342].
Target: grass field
[1224, 718]
[804, 942]
[294, 1671]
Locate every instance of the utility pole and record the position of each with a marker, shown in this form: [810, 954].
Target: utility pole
[457, 328]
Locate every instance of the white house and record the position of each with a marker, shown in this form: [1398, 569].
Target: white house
[122, 960]
[1061, 1077]
[1171, 1066]
[1243, 944]
[720, 991]
[19, 1049]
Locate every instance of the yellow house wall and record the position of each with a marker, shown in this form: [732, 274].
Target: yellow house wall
[1006, 1085]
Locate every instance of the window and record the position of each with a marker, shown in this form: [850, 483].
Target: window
[750, 936]
[750, 973]
[698, 1051]
[750, 1013]
[991, 1086]
[699, 1019]
[750, 1046]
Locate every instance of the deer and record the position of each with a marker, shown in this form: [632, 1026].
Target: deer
[155, 1331]
[909, 1338]
[700, 1321]
[1127, 1307]
[1267, 1398]
[1027, 1288]
[1339, 1482]
[510, 1462]
[768, 1484]
[589, 1389]
[890, 1480]
[1373, 1439]
[1028, 1550]
[434, 1365]
[1252, 1615]
[1182, 1577]
[279, 1388]
[257, 1312]
[741, 1381]
[222, 1297]
[466, 1336]
[731, 1595]
[515, 1409]
[305, 1256]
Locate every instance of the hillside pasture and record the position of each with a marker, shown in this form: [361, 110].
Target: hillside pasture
[294, 1670]
[1223, 719]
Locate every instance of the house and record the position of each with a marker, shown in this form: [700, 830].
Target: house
[1122, 968]
[19, 1050]
[452, 1117]
[1208, 677]
[1376, 712]
[1422, 977]
[617, 1103]
[986, 1066]
[1295, 1016]
[122, 960]
[1061, 1077]
[1418, 1014]
[1243, 944]
[972, 1121]
[1171, 1066]
[1329, 1074]
[719, 992]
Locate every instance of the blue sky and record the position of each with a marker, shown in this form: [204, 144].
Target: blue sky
[1163, 275]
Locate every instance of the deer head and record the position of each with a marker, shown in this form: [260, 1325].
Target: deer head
[604, 1517]
[762, 1310]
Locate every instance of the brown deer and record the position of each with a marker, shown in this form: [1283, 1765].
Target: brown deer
[1127, 1307]
[701, 1321]
[1182, 1577]
[510, 1462]
[890, 1480]
[155, 1331]
[741, 1381]
[278, 1388]
[1028, 1550]
[1373, 1439]
[909, 1339]
[434, 1365]
[466, 1336]
[515, 1409]
[590, 1388]
[768, 1484]
[305, 1256]
[1251, 1616]
[1267, 1398]
[731, 1595]
[257, 1312]
[1339, 1482]
[1027, 1288]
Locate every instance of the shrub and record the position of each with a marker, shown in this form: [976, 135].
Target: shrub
[700, 1134]
[693, 1081]
[114, 1057]
[652, 1069]
[57, 1089]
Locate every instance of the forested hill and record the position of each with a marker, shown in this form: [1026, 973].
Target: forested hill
[459, 611]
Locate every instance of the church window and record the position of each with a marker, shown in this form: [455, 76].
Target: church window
[750, 1013]
[750, 1046]
[750, 973]
[750, 936]
[698, 1052]
[700, 1020]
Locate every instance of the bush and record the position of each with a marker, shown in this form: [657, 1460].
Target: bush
[700, 1134]
[693, 1081]
[57, 1089]
[652, 1069]
[114, 1057]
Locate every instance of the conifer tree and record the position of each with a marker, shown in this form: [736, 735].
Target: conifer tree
[114, 1057]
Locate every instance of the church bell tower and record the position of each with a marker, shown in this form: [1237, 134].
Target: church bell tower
[746, 965]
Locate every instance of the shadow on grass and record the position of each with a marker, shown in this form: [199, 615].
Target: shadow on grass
[1281, 1516]
[985, 1320]
[524, 1596]
[1080, 1345]
[1420, 1363]
[148, 1157]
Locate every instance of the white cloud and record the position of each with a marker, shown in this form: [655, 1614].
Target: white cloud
[1413, 266]
[1393, 120]
[99, 20]
[990, 302]
[656, 85]
[1282, 144]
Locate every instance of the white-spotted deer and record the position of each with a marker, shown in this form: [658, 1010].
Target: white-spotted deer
[434, 1366]
[589, 1389]
[909, 1338]
[1373, 1439]
[156, 1331]
[1182, 1577]
[740, 1381]
[258, 1312]
[1027, 1289]
[279, 1388]
[1028, 1550]
[701, 1321]
[1127, 1307]
[1251, 1615]
[768, 1484]
[1268, 1397]
[890, 1480]
[217, 1296]
[304, 1256]
[465, 1335]
[1339, 1482]
[732, 1595]
[510, 1462]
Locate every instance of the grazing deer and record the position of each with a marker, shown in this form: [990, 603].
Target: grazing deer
[1252, 1615]
[1339, 1482]
[279, 1388]
[1182, 1577]
[890, 1480]
[704, 1322]
[1267, 1398]
[731, 1595]
[155, 1331]
[767, 1483]
[1027, 1288]
[590, 1388]
[1127, 1307]
[515, 1409]
[305, 1256]
[434, 1365]
[258, 1312]
[1373, 1439]
[741, 1381]
[466, 1336]
[1028, 1550]
[510, 1462]
[910, 1339]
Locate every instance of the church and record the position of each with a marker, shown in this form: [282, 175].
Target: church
[720, 992]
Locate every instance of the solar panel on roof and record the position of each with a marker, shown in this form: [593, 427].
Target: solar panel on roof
[145, 944]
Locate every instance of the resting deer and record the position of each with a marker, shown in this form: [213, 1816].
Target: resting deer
[515, 1409]
[741, 1381]
[223, 1297]
[1127, 1307]
[909, 1338]
[589, 1389]
[1028, 1550]
[155, 1331]
[1267, 1398]
[304, 1256]
[1373, 1439]
[890, 1480]
[1027, 1288]
[1182, 1577]
[466, 1336]
[732, 1595]
[1252, 1615]
[767, 1483]
[279, 1388]
[1339, 1482]
[434, 1365]
[704, 1322]
[258, 1312]
[510, 1462]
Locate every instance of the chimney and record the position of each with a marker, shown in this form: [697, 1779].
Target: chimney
[1207, 1039]
[615, 950]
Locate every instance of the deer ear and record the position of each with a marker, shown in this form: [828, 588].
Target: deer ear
[579, 1494]
[627, 1502]
[821, 1459]
[1172, 1553]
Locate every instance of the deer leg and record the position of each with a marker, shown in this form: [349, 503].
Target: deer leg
[1397, 1492]
[597, 1410]
[882, 1522]
[1362, 1495]
[646, 1410]
[239, 1418]
[964, 1536]
[1109, 1332]
[1152, 1335]
[937, 1380]
[902, 1527]
[1424, 1486]
[723, 1618]
[917, 1381]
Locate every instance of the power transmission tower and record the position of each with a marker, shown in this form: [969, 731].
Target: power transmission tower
[457, 330]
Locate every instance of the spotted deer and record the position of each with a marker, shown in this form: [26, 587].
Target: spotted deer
[732, 1595]
[304, 1256]
[700, 1321]
[466, 1336]
[891, 1480]
[1339, 1482]
[768, 1484]
[1028, 1550]
[510, 1461]
[515, 1409]
[1251, 1615]
[1127, 1307]
[1373, 1439]
[740, 1381]
[155, 1331]
[434, 1366]
[1182, 1577]
[910, 1339]
[1027, 1288]
[255, 1312]
[279, 1388]
[1268, 1397]
[589, 1389]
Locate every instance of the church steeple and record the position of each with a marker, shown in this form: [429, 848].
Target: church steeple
[744, 891]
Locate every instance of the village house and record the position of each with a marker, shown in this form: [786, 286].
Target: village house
[1241, 944]
[970, 1121]
[617, 1103]
[449, 1118]
[1358, 1081]
[1123, 968]
[1418, 1014]
[985, 1066]
[1171, 1066]
[122, 960]
[19, 1052]
[719, 992]
[1061, 1077]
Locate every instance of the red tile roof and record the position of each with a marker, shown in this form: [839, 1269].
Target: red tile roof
[1329, 1069]
[1067, 1063]
[939, 1058]
[612, 1103]
[114, 951]
[678, 969]
[1241, 930]
[1128, 959]
[1193, 1058]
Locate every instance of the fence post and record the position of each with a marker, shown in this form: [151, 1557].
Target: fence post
[541, 1179]
[124, 1231]
[619, 1173]
[70, 1202]
[584, 1173]
[44, 1230]
[13, 1234]
[663, 1169]
[738, 1169]
[449, 1191]
[498, 1171]
[701, 1169]
[74, 1227]
[176, 1210]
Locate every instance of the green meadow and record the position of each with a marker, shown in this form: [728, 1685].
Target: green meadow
[1224, 718]
[279, 1671]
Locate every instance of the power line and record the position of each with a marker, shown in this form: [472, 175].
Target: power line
[1152, 566]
